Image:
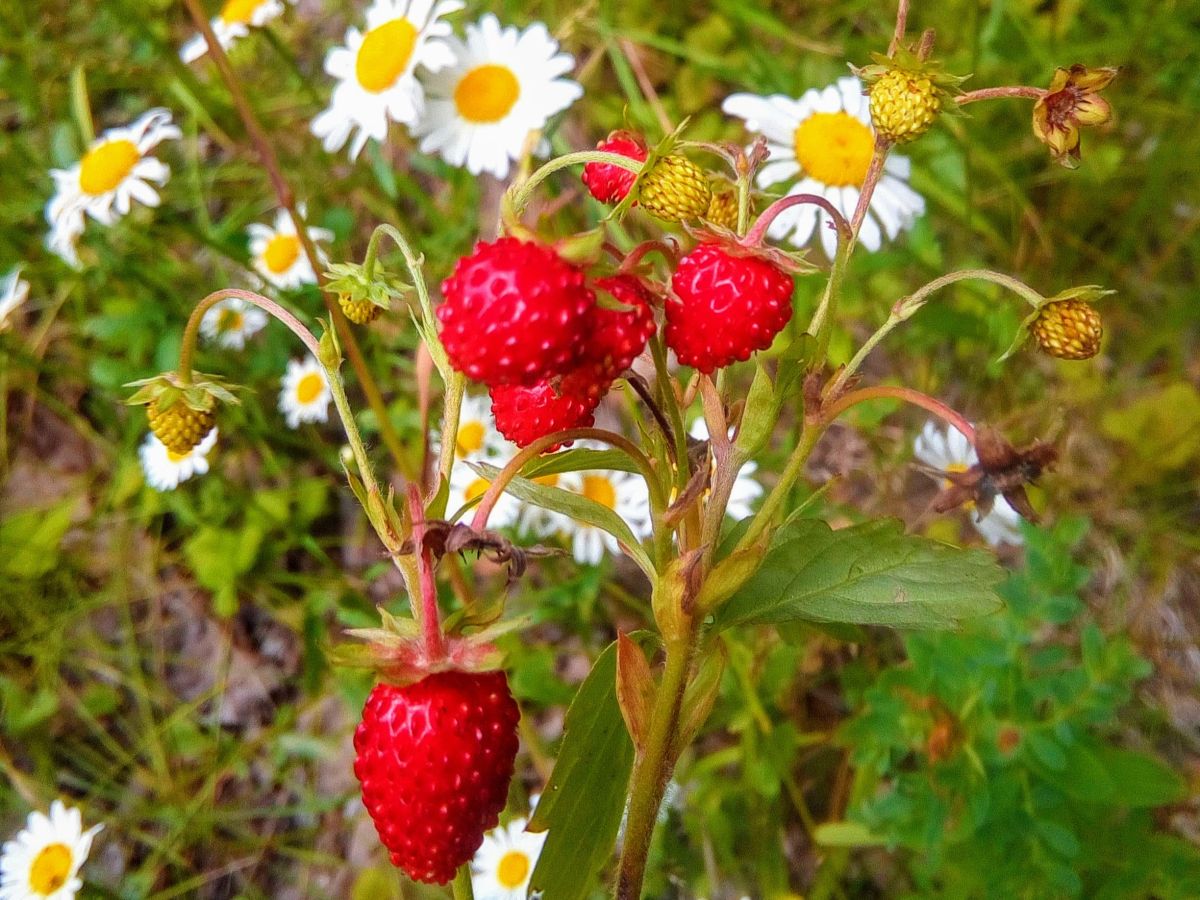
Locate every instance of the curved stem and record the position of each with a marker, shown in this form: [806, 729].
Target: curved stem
[514, 466]
[821, 324]
[755, 235]
[635, 256]
[192, 330]
[767, 513]
[906, 395]
[906, 307]
[287, 199]
[997, 93]
[517, 197]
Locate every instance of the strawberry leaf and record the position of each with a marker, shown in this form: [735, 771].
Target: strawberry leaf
[582, 805]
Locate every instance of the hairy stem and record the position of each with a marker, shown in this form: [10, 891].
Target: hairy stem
[514, 466]
[287, 199]
[906, 395]
[901, 27]
[431, 626]
[654, 766]
[769, 511]
[997, 93]
[518, 196]
[755, 235]
[874, 171]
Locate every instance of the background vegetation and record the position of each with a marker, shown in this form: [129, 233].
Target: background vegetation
[165, 655]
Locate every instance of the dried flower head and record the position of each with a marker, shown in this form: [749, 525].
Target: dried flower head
[1002, 471]
[1072, 101]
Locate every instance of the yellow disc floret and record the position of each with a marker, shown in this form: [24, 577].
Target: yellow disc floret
[106, 165]
[834, 148]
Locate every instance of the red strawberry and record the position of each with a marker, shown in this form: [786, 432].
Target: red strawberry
[725, 306]
[515, 313]
[608, 183]
[435, 759]
[524, 414]
[617, 336]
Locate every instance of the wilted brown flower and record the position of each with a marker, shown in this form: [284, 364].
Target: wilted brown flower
[1072, 101]
[1002, 470]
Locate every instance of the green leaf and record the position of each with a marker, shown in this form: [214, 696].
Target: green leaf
[846, 834]
[1099, 773]
[870, 574]
[582, 805]
[580, 460]
[29, 540]
[577, 507]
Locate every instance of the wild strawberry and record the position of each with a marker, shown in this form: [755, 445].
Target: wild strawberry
[358, 311]
[524, 414]
[675, 190]
[179, 426]
[1068, 329]
[515, 313]
[725, 306]
[435, 759]
[903, 105]
[723, 208]
[617, 336]
[608, 183]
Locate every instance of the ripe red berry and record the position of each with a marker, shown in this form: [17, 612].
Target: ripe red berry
[435, 759]
[515, 313]
[725, 306]
[609, 183]
[617, 336]
[524, 414]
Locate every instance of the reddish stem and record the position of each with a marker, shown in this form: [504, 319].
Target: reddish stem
[754, 236]
[635, 256]
[431, 624]
[901, 26]
[907, 395]
[998, 93]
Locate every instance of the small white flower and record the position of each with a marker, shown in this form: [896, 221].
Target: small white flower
[115, 171]
[624, 493]
[745, 489]
[14, 290]
[165, 469]
[478, 438]
[376, 71]
[44, 858]
[466, 485]
[305, 395]
[503, 85]
[825, 138]
[950, 451]
[505, 861]
[277, 254]
[233, 22]
[231, 321]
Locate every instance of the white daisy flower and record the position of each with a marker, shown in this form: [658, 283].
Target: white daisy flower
[825, 139]
[115, 171]
[376, 71]
[14, 290]
[233, 22]
[165, 469]
[505, 861]
[503, 85]
[65, 231]
[478, 438]
[950, 451]
[231, 321]
[745, 489]
[305, 395]
[466, 485]
[624, 493]
[44, 858]
[277, 254]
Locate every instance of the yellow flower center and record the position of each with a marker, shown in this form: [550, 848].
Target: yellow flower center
[470, 438]
[177, 457]
[107, 165]
[230, 320]
[547, 480]
[958, 467]
[600, 489]
[476, 488]
[834, 148]
[487, 93]
[384, 54]
[282, 250]
[239, 12]
[513, 869]
[309, 388]
[50, 869]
